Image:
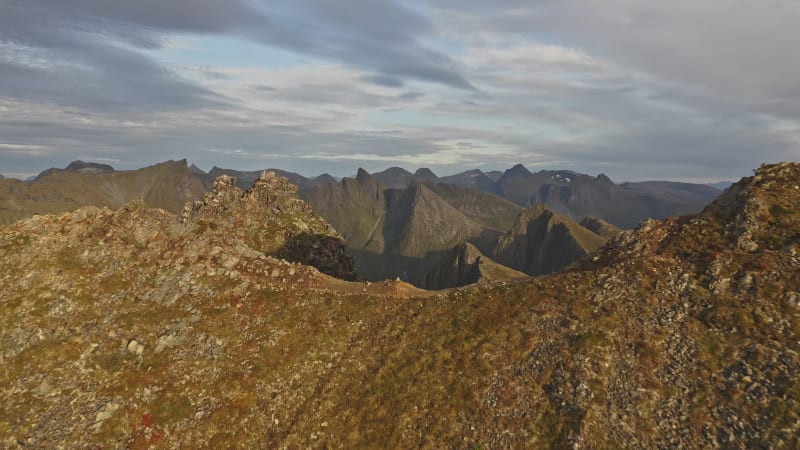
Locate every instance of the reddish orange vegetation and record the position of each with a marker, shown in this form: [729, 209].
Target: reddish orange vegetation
[144, 434]
[147, 420]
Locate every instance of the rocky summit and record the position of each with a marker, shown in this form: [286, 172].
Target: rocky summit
[134, 328]
[271, 219]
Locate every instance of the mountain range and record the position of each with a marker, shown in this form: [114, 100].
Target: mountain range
[405, 225]
[577, 195]
[417, 227]
[416, 233]
[138, 328]
[168, 185]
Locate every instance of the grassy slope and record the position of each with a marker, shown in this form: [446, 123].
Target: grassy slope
[645, 346]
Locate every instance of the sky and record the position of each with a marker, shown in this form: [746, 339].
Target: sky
[683, 90]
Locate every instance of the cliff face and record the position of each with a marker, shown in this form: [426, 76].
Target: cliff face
[542, 241]
[464, 265]
[411, 233]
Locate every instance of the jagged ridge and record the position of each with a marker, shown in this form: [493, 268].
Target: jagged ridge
[270, 218]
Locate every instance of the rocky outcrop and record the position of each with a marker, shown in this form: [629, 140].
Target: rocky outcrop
[245, 179]
[600, 227]
[270, 218]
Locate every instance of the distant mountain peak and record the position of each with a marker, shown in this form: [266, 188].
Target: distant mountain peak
[425, 174]
[517, 171]
[603, 177]
[543, 241]
[79, 166]
[196, 170]
[323, 179]
[394, 177]
[396, 170]
[362, 175]
[170, 164]
[423, 171]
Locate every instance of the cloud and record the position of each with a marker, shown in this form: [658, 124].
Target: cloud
[735, 50]
[686, 88]
[80, 78]
[47, 57]
[139, 18]
[689, 89]
[384, 38]
[20, 148]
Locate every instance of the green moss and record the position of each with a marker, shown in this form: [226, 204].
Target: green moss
[649, 352]
[110, 361]
[715, 350]
[221, 440]
[150, 316]
[552, 428]
[585, 341]
[16, 243]
[599, 391]
[780, 210]
[69, 260]
[171, 409]
[116, 281]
